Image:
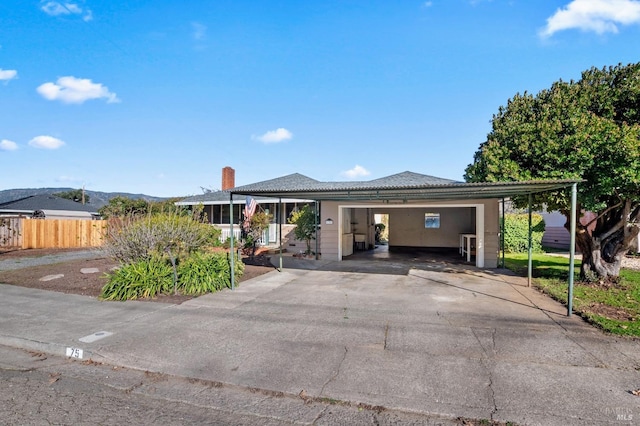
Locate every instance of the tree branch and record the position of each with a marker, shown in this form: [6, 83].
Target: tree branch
[603, 213]
[620, 223]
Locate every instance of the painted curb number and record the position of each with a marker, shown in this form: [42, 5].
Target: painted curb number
[74, 353]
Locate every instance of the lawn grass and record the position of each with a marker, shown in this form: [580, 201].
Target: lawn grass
[615, 309]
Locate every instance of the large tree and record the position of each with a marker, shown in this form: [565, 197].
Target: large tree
[77, 195]
[587, 129]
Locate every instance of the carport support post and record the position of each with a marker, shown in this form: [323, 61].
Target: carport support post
[572, 246]
[529, 262]
[315, 226]
[231, 251]
[502, 234]
[280, 224]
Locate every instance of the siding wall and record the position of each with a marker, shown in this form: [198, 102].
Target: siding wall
[406, 225]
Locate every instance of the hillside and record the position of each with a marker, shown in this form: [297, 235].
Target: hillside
[96, 198]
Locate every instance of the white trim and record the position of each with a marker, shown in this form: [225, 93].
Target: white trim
[479, 221]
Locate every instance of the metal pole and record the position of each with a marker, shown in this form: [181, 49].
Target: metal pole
[502, 235]
[530, 261]
[280, 240]
[572, 246]
[315, 226]
[231, 251]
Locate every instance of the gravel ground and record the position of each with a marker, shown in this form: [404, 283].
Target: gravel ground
[628, 262]
[10, 261]
[631, 263]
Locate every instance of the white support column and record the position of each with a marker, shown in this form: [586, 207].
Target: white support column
[480, 235]
[340, 231]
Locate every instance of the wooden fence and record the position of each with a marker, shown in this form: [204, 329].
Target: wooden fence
[51, 233]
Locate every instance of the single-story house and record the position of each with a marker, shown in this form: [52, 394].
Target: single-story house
[216, 208]
[423, 211]
[48, 207]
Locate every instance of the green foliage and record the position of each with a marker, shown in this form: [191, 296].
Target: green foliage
[305, 221]
[74, 195]
[123, 207]
[140, 279]
[258, 223]
[198, 273]
[516, 235]
[587, 129]
[207, 272]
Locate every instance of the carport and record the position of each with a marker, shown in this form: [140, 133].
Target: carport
[405, 190]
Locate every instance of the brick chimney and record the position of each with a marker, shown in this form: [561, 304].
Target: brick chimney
[228, 178]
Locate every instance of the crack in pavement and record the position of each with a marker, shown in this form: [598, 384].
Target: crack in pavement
[488, 364]
[333, 377]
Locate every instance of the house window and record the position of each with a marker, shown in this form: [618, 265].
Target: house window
[432, 220]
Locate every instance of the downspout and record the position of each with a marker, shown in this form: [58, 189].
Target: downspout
[572, 246]
[530, 261]
[231, 251]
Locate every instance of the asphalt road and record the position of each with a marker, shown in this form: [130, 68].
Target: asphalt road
[40, 389]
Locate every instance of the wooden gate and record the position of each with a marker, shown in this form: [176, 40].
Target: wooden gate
[10, 232]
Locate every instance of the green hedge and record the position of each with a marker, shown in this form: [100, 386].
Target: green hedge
[516, 232]
[198, 273]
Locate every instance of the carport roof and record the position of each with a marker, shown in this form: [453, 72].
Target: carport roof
[401, 187]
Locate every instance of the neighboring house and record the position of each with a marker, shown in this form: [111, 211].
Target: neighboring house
[555, 234]
[48, 207]
[423, 211]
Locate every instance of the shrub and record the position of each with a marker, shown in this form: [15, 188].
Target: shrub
[305, 221]
[516, 235]
[141, 279]
[206, 272]
[199, 273]
[137, 238]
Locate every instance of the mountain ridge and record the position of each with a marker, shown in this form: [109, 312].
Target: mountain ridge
[96, 198]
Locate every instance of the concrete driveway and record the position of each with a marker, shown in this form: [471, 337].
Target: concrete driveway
[421, 337]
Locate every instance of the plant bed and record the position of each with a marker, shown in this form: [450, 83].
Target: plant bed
[75, 282]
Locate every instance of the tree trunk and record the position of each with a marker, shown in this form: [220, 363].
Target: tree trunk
[604, 245]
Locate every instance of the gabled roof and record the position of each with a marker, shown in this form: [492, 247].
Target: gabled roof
[401, 186]
[46, 202]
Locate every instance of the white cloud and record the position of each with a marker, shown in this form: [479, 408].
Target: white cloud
[46, 142]
[55, 8]
[7, 75]
[7, 145]
[71, 90]
[199, 31]
[356, 172]
[274, 136]
[599, 16]
[427, 4]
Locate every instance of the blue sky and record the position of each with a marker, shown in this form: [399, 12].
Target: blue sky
[157, 96]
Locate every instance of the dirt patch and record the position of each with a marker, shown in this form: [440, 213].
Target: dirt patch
[75, 282]
[609, 312]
